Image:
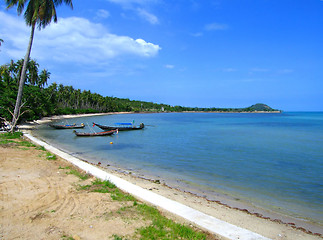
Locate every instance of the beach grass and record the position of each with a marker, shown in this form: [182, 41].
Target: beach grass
[107, 187]
[64, 237]
[80, 175]
[42, 148]
[15, 139]
[164, 228]
[9, 135]
[7, 138]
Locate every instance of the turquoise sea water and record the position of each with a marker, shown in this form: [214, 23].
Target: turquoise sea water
[274, 161]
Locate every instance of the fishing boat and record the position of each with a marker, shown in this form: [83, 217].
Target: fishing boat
[93, 134]
[120, 126]
[67, 126]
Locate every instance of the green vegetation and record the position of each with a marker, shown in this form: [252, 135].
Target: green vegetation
[116, 237]
[26, 144]
[259, 107]
[164, 228]
[11, 139]
[7, 136]
[15, 139]
[64, 237]
[42, 148]
[50, 156]
[82, 176]
[107, 187]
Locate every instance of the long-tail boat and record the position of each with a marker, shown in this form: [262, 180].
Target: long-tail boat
[67, 126]
[93, 134]
[120, 127]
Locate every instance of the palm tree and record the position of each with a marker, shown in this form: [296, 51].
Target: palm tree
[1, 41]
[40, 13]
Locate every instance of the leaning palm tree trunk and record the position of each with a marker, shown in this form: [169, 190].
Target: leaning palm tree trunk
[22, 80]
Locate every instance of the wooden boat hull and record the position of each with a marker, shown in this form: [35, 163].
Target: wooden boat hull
[84, 134]
[71, 126]
[104, 127]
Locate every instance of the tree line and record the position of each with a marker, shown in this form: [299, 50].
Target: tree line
[56, 99]
[40, 100]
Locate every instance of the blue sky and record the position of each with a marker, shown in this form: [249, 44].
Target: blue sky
[210, 53]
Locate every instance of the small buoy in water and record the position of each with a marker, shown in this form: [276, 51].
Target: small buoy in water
[111, 142]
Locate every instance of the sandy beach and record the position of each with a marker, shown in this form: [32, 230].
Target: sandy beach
[39, 199]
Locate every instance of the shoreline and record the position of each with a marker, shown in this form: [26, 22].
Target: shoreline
[202, 203]
[28, 125]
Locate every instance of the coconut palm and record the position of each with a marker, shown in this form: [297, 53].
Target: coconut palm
[40, 13]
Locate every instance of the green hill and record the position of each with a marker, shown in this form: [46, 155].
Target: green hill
[260, 107]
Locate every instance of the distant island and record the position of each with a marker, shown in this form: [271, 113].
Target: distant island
[256, 108]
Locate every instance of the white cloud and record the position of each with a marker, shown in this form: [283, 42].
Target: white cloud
[198, 34]
[286, 71]
[259, 70]
[229, 70]
[216, 27]
[103, 13]
[72, 39]
[133, 2]
[147, 16]
[169, 66]
[140, 8]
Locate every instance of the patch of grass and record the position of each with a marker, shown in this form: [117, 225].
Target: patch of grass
[26, 144]
[84, 187]
[116, 237]
[24, 148]
[50, 156]
[106, 183]
[47, 155]
[42, 148]
[68, 167]
[64, 237]
[5, 138]
[147, 211]
[14, 135]
[118, 195]
[6, 141]
[164, 228]
[82, 176]
[107, 187]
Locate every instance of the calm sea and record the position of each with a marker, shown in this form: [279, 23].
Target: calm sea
[274, 161]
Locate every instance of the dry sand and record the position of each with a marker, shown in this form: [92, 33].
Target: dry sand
[40, 201]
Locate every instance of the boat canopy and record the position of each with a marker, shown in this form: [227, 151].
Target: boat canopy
[123, 124]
